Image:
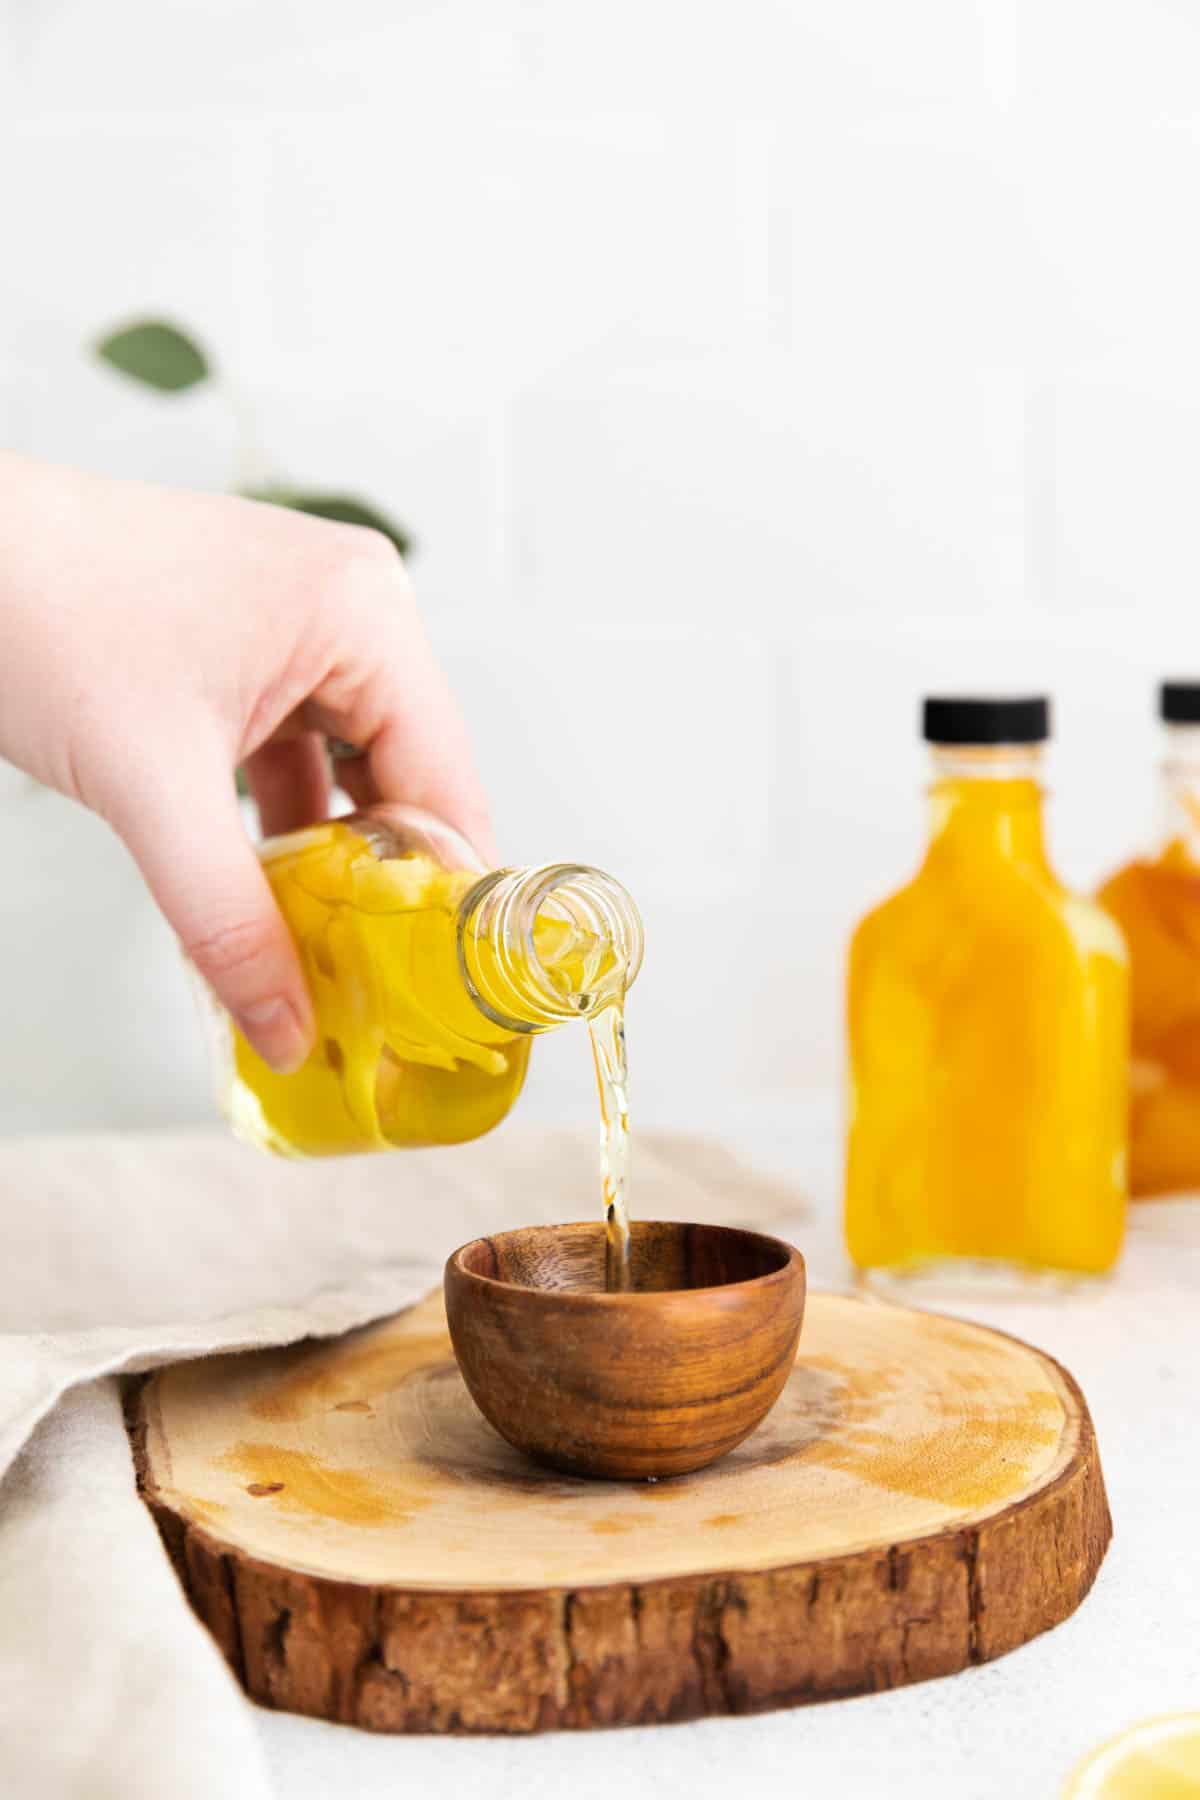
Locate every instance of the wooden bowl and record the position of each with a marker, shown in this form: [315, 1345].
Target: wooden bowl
[657, 1381]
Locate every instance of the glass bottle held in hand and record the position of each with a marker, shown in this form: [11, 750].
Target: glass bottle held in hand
[1156, 901]
[429, 978]
[988, 1018]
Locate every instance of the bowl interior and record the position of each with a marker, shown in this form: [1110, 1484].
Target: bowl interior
[665, 1257]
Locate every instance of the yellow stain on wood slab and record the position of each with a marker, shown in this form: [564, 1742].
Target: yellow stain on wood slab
[303, 1484]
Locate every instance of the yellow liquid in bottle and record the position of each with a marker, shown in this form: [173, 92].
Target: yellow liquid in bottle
[987, 1016]
[1157, 905]
[404, 1056]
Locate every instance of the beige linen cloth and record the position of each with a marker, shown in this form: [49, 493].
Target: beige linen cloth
[122, 1252]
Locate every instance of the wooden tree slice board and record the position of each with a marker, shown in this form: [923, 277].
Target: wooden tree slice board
[925, 1495]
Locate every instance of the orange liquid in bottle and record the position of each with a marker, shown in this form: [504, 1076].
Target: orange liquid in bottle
[1157, 905]
[988, 1019]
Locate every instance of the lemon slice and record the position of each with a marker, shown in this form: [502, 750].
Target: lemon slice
[1156, 1760]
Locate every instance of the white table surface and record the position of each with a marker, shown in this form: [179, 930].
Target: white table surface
[1013, 1727]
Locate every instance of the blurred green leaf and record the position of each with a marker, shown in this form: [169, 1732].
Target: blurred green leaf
[343, 508]
[156, 353]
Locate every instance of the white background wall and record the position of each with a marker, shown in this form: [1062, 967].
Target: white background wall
[743, 372]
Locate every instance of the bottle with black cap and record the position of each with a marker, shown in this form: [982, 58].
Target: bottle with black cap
[1156, 901]
[987, 1029]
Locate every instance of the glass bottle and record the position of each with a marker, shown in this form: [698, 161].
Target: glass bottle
[988, 1018]
[1156, 901]
[429, 977]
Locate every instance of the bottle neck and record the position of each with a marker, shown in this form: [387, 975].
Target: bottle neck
[1181, 788]
[540, 946]
[986, 801]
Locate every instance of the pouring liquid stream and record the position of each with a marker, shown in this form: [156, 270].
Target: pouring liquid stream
[607, 1031]
[590, 961]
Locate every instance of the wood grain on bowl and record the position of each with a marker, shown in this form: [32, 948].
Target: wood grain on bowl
[657, 1381]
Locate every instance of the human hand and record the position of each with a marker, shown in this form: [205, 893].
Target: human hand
[153, 640]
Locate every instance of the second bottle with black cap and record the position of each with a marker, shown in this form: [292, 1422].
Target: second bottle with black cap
[987, 1028]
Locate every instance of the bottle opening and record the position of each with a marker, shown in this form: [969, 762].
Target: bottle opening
[540, 946]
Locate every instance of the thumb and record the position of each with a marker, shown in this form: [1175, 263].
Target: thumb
[201, 869]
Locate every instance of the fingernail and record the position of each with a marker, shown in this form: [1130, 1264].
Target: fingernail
[276, 1033]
